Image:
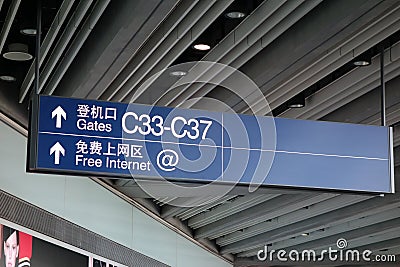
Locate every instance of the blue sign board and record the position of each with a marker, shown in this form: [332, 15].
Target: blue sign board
[97, 138]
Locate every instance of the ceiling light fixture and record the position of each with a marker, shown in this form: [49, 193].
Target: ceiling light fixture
[17, 52]
[362, 60]
[235, 15]
[28, 31]
[298, 101]
[202, 47]
[362, 63]
[7, 78]
[178, 73]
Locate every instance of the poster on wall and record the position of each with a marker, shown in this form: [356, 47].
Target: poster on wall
[20, 249]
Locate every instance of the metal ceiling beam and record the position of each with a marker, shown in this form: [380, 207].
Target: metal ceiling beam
[388, 244]
[347, 96]
[370, 35]
[228, 209]
[375, 234]
[366, 109]
[140, 53]
[359, 43]
[186, 214]
[160, 189]
[329, 231]
[187, 202]
[166, 32]
[392, 116]
[364, 208]
[122, 30]
[397, 157]
[250, 23]
[355, 237]
[254, 262]
[171, 211]
[48, 41]
[150, 209]
[192, 26]
[344, 90]
[76, 45]
[372, 26]
[295, 216]
[396, 137]
[235, 51]
[387, 230]
[12, 11]
[265, 13]
[207, 203]
[248, 51]
[262, 212]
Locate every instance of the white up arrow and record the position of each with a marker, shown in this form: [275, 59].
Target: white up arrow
[57, 149]
[58, 112]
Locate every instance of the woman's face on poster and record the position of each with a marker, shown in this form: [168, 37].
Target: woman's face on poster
[11, 250]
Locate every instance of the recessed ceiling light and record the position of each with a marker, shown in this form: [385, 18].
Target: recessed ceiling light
[178, 73]
[297, 101]
[361, 63]
[8, 78]
[298, 105]
[17, 52]
[202, 47]
[17, 56]
[28, 31]
[235, 15]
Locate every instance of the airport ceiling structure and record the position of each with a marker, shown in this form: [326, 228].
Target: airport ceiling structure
[106, 50]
